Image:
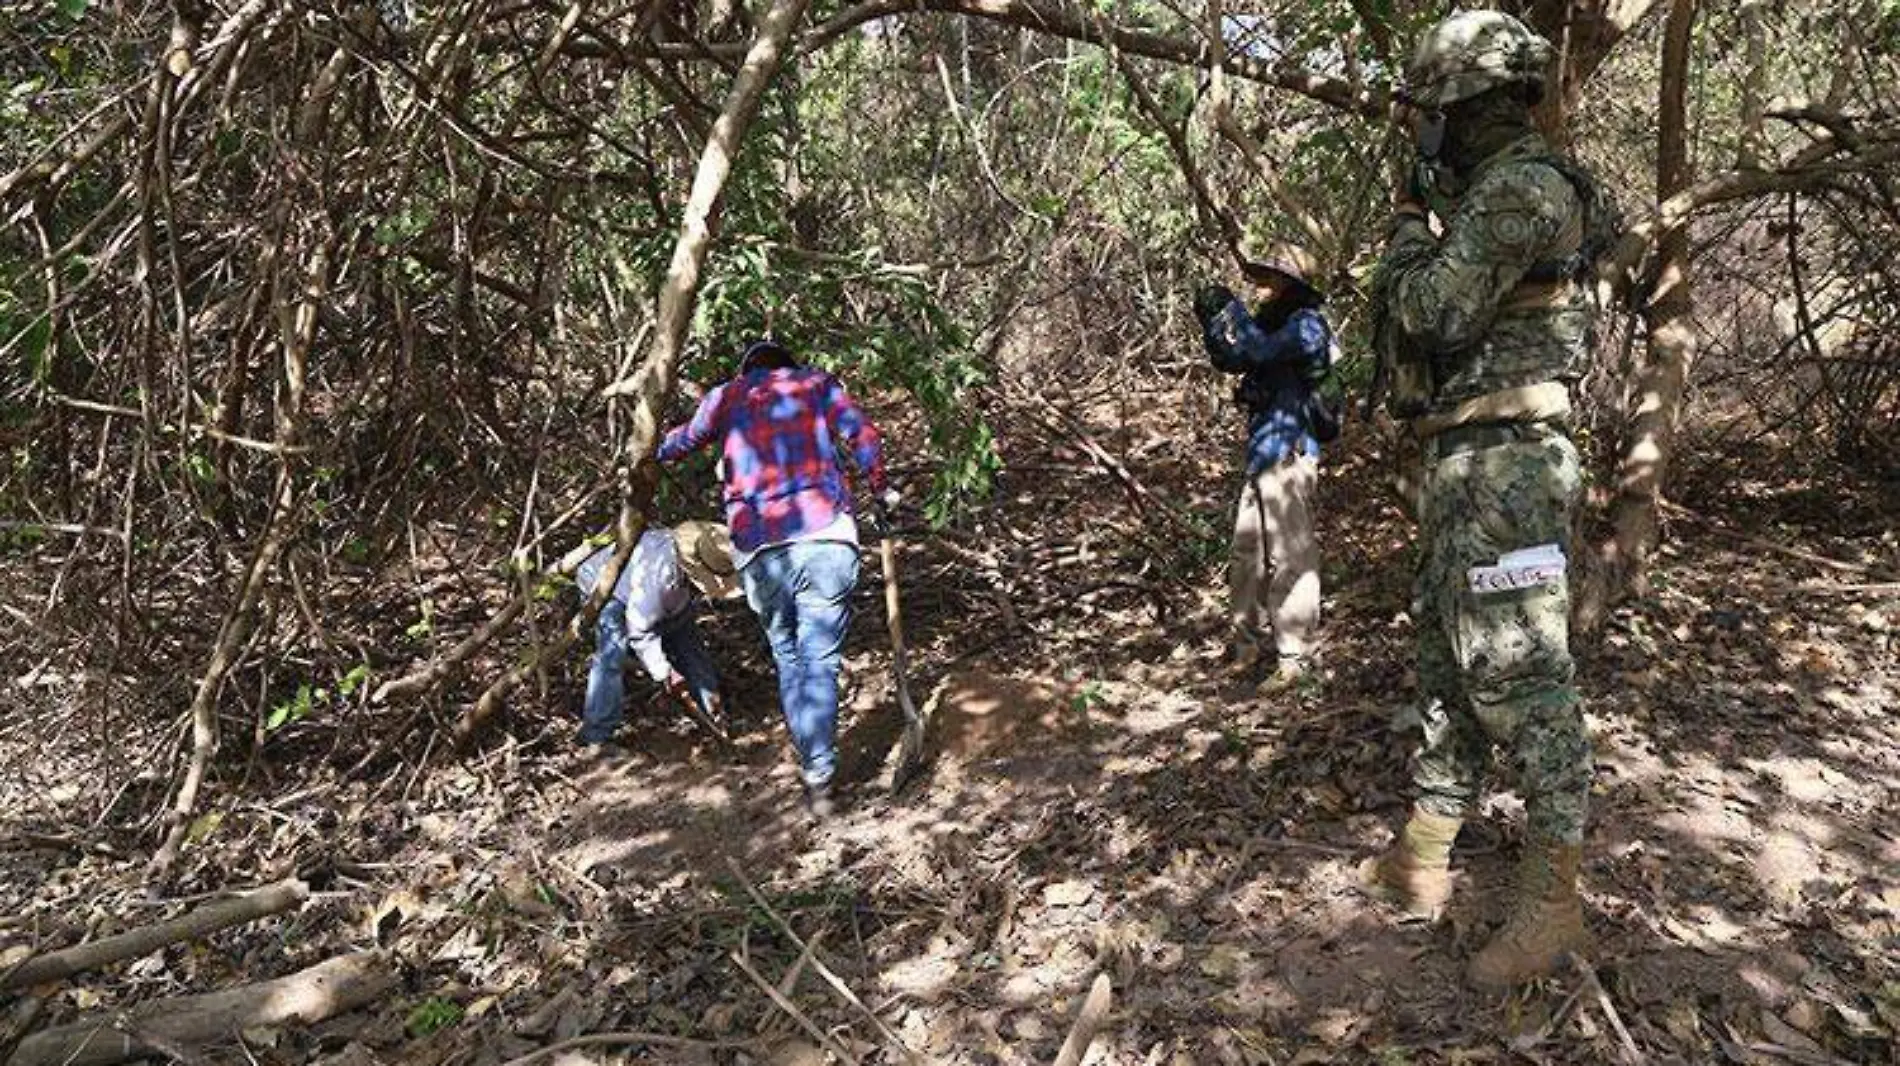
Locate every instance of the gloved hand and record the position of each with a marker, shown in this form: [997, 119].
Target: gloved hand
[676, 684]
[1209, 300]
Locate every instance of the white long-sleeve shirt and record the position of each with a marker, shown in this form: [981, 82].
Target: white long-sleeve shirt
[653, 589]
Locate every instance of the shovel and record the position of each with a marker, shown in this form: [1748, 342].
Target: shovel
[712, 723]
[910, 749]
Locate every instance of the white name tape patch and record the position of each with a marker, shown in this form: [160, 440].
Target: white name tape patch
[1522, 569]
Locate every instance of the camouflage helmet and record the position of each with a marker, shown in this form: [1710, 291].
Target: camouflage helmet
[1474, 52]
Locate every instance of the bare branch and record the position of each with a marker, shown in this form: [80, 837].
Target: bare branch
[1069, 19]
[1213, 212]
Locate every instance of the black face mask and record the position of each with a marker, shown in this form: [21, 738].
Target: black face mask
[1476, 128]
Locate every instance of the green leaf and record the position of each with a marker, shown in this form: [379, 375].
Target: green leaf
[291, 710]
[432, 1015]
[423, 626]
[73, 10]
[1090, 697]
[353, 680]
[203, 827]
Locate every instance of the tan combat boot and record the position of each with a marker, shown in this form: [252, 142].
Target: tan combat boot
[1243, 654]
[1414, 874]
[1545, 925]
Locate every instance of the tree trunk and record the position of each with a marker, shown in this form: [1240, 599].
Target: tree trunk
[1655, 396]
[1753, 146]
[1584, 32]
[277, 535]
[297, 311]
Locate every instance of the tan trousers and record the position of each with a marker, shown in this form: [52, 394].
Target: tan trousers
[1273, 529]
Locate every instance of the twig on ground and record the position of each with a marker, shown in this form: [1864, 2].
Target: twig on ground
[541, 1021]
[1753, 541]
[317, 994]
[388, 743]
[138, 942]
[790, 981]
[18, 1022]
[1876, 588]
[1631, 1053]
[26, 841]
[811, 1028]
[1524, 1043]
[1069, 428]
[1087, 1022]
[631, 1037]
[1740, 1050]
[837, 984]
[1290, 844]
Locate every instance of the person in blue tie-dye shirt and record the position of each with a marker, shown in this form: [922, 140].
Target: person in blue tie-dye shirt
[1279, 351]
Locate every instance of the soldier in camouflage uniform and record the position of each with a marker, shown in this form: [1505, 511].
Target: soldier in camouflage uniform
[1483, 327]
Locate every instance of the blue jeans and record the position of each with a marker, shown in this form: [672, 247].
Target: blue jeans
[685, 651]
[802, 595]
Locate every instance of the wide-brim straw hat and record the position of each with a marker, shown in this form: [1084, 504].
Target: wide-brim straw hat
[1283, 260]
[706, 557]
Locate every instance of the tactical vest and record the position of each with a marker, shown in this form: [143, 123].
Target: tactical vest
[1540, 335]
[1542, 330]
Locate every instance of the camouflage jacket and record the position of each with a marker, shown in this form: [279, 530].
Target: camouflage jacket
[1491, 304]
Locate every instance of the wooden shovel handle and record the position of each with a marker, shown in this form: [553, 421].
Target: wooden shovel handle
[887, 552]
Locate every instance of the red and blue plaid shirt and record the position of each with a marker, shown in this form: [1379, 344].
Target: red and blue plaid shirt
[783, 478]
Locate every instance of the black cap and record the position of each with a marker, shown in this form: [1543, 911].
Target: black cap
[762, 349]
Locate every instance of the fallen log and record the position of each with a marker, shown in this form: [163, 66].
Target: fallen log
[137, 943]
[16, 1021]
[143, 941]
[164, 1026]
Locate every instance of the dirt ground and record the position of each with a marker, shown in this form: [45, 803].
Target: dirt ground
[1102, 799]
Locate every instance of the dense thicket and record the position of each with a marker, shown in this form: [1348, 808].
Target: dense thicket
[307, 308]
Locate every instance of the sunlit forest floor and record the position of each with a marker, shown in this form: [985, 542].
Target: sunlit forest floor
[1102, 798]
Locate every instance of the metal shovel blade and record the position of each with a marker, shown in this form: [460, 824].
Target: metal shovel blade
[719, 733]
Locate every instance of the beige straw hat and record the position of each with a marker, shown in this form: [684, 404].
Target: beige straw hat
[706, 556]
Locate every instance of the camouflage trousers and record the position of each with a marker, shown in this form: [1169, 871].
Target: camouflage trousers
[1494, 668]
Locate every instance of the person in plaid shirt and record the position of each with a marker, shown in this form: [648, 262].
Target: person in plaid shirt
[794, 535]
